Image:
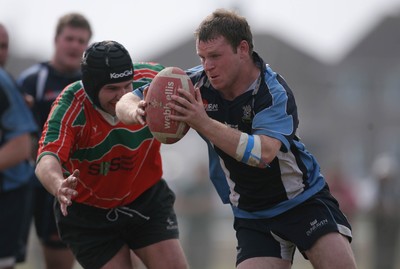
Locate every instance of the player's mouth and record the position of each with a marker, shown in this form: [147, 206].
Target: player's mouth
[213, 77]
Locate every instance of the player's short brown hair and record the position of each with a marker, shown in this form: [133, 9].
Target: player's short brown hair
[73, 19]
[233, 27]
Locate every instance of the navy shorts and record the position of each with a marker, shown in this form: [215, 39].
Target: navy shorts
[299, 227]
[13, 209]
[95, 235]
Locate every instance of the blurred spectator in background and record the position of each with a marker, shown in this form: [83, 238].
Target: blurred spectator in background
[42, 83]
[3, 45]
[195, 206]
[16, 126]
[342, 189]
[386, 217]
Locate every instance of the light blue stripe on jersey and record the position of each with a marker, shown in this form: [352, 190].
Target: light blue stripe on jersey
[194, 70]
[139, 92]
[217, 174]
[274, 121]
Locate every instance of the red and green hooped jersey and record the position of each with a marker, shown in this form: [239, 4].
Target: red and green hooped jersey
[117, 162]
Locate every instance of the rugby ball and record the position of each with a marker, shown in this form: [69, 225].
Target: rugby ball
[165, 84]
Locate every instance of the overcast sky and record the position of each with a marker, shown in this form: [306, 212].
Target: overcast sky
[323, 28]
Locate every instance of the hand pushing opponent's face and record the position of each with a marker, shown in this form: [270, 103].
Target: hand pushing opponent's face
[110, 94]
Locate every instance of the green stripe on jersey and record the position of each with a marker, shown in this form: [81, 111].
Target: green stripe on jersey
[119, 136]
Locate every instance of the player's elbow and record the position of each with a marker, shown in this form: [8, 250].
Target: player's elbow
[269, 149]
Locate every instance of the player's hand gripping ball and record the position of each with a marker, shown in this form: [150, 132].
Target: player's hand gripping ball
[165, 84]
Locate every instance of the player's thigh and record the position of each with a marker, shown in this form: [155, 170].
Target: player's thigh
[121, 260]
[264, 263]
[331, 251]
[167, 254]
[255, 239]
[58, 258]
[92, 238]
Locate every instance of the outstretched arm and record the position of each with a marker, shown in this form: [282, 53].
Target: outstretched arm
[49, 172]
[130, 109]
[15, 151]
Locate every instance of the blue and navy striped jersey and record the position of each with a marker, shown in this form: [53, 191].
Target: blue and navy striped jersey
[267, 109]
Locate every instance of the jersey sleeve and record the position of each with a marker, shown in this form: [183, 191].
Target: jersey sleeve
[16, 118]
[143, 74]
[28, 79]
[63, 124]
[277, 120]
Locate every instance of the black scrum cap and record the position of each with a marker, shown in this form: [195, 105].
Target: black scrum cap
[104, 62]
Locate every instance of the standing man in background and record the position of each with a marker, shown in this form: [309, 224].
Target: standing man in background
[16, 127]
[42, 83]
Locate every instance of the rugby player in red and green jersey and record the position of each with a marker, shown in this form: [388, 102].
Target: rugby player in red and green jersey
[107, 176]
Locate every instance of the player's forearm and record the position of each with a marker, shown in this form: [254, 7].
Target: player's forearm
[15, 151]
[221, 135]
[49, 172]
[126, 108]
[239, 145]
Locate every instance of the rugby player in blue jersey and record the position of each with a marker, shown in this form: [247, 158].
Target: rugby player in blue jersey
[17, 126]
[248, 117]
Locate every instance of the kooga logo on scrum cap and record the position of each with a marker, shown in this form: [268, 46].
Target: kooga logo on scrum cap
[120, 75]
